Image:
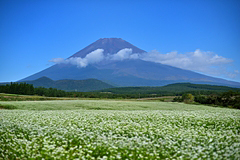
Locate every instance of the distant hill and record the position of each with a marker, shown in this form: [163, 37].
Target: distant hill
[70, 85]
[171, 88]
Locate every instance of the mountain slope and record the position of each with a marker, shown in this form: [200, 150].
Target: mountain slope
[71, 85]
[124, 72]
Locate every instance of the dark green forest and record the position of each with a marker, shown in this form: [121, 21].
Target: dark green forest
[230, 99]
[28, 89]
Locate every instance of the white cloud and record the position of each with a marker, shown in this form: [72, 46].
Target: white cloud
[93, 57]
[134, 56]
[122, 54]
[172, 58]
[219, 60]
[197, 60]
[78, 61]
[200, 61]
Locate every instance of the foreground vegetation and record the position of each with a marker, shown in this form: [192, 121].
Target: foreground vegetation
[111, 129]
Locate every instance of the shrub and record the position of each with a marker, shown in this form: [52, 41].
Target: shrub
[187, 98]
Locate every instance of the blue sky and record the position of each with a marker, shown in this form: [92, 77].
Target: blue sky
[203, 36]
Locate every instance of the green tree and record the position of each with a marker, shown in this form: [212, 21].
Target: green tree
[187, 97]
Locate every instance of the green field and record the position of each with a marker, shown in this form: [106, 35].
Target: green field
[117, 129]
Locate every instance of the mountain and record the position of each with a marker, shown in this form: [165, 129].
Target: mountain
[122, 71]
[70, 85]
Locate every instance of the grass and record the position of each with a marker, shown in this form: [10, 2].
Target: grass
[115, 129]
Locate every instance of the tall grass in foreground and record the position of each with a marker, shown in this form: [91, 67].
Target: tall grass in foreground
[182, 133]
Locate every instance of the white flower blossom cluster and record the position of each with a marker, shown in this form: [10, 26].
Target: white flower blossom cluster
[109, 134]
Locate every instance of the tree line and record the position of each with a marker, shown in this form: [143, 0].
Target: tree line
[230, 99]
[28, 89]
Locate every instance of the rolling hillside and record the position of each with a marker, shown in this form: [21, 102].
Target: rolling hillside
[176, 88]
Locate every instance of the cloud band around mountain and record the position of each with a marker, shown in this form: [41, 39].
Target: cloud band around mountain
[200, 61]
[97, 56]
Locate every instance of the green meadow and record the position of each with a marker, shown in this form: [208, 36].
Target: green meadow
[117, 129]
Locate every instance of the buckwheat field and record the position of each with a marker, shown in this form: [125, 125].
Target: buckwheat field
[105, 129]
